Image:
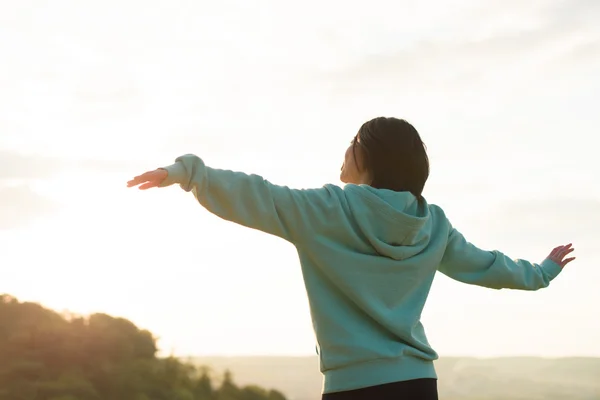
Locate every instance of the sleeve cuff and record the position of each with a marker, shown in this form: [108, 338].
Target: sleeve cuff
[551, 268]
[176, 174]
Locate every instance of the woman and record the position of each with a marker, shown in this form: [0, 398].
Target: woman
[369, 253]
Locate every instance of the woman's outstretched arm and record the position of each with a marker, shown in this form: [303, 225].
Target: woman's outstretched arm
[466, 263]
[248, 200]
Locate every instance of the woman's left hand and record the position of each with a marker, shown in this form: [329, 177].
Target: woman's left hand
[559, 253]
[149, 179]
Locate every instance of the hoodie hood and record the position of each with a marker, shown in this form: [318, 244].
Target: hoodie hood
[395, 223]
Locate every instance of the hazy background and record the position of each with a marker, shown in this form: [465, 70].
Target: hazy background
[463, 378]
[504, 93]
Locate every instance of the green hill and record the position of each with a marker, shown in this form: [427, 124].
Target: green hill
[48, 356]
[520, 378]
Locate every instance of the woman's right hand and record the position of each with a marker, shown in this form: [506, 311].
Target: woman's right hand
[149, 179]
[559, 253]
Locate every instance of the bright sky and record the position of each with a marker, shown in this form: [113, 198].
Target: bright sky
[504, 93]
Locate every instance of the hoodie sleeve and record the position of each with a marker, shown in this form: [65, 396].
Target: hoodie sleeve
[251, 201]
[466, 263]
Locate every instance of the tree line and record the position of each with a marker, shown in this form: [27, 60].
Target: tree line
[45, 355]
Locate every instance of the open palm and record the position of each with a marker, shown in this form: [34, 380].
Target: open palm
[149, 179]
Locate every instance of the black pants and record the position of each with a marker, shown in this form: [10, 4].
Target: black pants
[417, 389]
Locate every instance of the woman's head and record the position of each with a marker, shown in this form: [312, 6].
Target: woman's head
[387, 153]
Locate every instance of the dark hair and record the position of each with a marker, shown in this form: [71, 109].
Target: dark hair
[394, 154]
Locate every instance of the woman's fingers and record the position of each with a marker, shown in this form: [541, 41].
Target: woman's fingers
[568, 260]
[559, 253]
[147, 180]
[148, 185]
[556, 250]
[139, 179]
[565, 252]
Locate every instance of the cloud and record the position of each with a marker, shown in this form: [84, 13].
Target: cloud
[537, 221]
[20, 166]
[577, 213]
[19, 206]
[552, 35]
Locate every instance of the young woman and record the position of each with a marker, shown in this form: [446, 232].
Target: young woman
[369, 252]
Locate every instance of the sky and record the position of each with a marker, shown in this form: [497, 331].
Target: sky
[504, 93]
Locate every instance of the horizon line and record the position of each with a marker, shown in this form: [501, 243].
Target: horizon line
[440, 357]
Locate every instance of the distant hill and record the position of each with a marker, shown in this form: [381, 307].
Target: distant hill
[520, 378]
[45, 355]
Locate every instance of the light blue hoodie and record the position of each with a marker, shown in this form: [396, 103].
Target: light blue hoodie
[368, 260]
